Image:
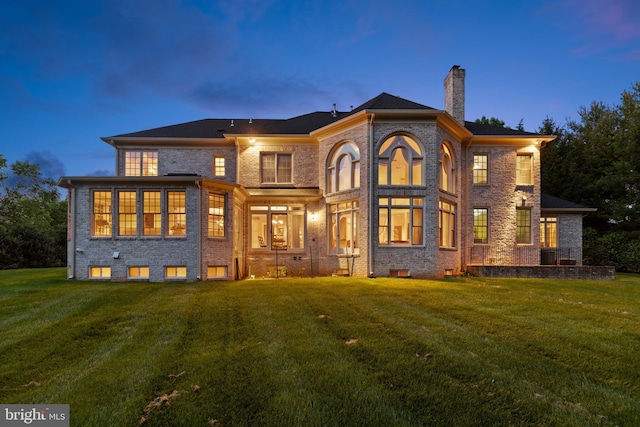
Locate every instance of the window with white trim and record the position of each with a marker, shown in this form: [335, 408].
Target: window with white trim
[480, 225]
[102, 214]
[548, 232]
[400, 162]
[138, 272]
[480, 168]
[176, 213]
[523, 226]
[100, 272]
[277, 227]
[343, 171]
[127, 216]
[218, 165]
[216, 216]
[447, 224]
[524, 169]
[400, 221]
[175, 272]
[447, 170]
[217, 272]
[275, 168]
[343, 229]
[141, 163]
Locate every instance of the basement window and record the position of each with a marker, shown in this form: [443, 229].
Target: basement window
[100, 272]
[399, 273]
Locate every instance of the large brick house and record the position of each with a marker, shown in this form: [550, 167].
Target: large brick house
[391, 187]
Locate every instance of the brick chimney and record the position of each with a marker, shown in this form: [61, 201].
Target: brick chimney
[454, 93]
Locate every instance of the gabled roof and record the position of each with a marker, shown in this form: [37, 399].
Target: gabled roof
[299, 125]
[552, 203]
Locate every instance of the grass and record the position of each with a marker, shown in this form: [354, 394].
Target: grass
[323, 351]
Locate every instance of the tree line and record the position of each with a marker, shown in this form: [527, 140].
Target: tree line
[33, 218]
[595, 161]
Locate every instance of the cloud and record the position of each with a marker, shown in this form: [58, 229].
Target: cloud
[50, 165]
[101, 172]
[610, 28]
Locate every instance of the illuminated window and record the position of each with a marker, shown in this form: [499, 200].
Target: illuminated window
[548, 232]
[102, 216]
[523, 226]
[218, 166]
[139, 272]
[447, 224]
[217, 272]
[344, 168]
[126, 213]
[101, 272]
[216, 215]
[524, 169]
[275, 168]
[480, 168]
[400, 162]
[343, 232]
[447, 170]
[481, 225]
[400, 221]
[277, 227]
[175, 272]
[141, 163]
[176, 213]
[151, 213]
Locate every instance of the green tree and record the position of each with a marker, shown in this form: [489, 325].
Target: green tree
[492, 121]
[32, 218]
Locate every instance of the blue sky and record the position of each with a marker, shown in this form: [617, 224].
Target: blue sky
[72, 72]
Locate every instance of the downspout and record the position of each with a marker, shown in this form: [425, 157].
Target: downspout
[199, 234]
[72, 224]
[371, 200]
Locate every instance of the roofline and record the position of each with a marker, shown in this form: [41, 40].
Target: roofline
[512, 139]
[162, 141]
[440, 116]
[70, 181]
[567, 210]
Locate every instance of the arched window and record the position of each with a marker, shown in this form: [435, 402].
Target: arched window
[343, 169]
[447, 170]
[400, 162]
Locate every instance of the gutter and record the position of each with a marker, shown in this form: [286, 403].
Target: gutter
[199, 235]
[371, 201]
[71, 200]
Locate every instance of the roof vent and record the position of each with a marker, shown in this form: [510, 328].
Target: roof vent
[334, 112]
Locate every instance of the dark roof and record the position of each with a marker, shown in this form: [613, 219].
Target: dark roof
[484, 129]
[549, 202]
[299, 125]
[384, 101]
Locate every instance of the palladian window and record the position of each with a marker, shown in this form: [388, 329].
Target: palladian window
[400, 162]
[343, 171]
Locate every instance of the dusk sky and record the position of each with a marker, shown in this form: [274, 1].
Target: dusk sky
[75, 71]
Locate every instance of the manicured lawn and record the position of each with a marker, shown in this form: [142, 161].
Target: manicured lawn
[323, 351]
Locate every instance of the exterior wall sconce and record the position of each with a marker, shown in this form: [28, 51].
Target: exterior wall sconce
[313, 216]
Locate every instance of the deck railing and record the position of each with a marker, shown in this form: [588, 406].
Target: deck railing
[518, 255]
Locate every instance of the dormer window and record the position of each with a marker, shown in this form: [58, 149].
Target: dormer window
[141, 163]
[400, 162]
[343, 171]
